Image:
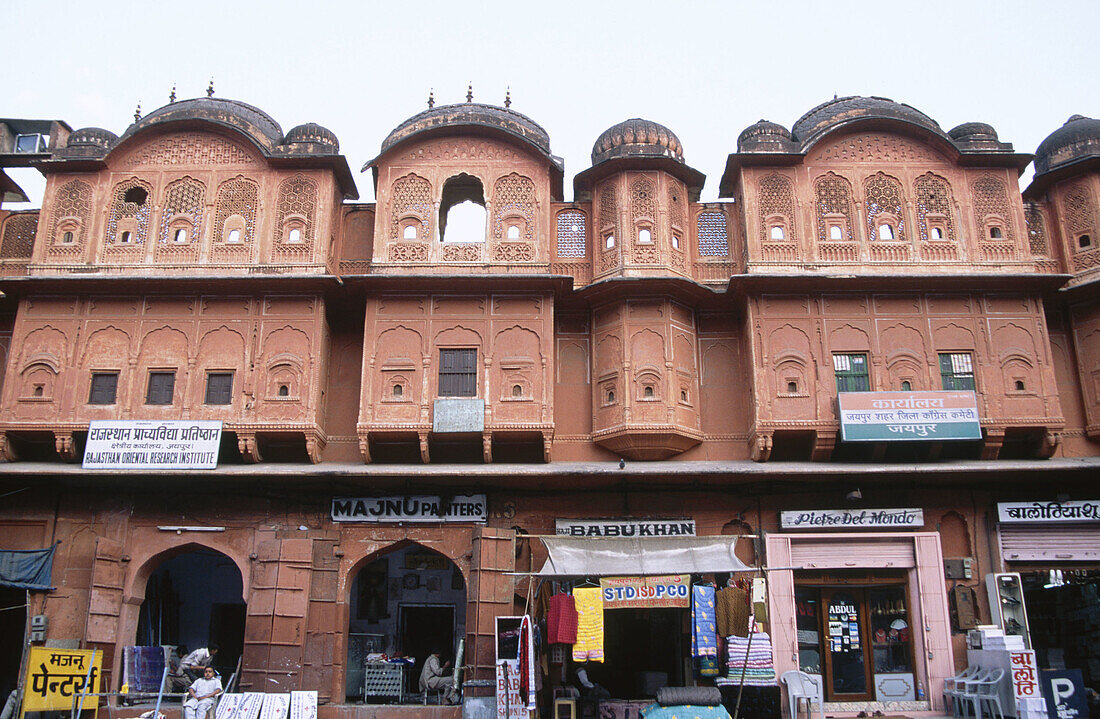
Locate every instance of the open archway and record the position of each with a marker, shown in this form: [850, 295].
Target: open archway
[194, 597]
[404, 601]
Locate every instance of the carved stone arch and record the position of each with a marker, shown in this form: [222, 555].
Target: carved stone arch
[609, 355]
[953, 336]
[884, 202]
[296, 204]
[107, 344]
[72, 203]
[935, 206]
[954, 532]
[45, 341]
[573, 366]
[992, 208]
[647, 348]
[372, 551]
[849, 338]
[148, 558]
[1011, 337]
[400, 336]
[458, 336]
[184, 205]
[411, 197]
[235, 210]
[152, 339]
[514, 197]
[125, 214]
[900, 338]
[775, 197]
[833, 207]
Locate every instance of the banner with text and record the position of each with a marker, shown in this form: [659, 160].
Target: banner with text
[411, 508]
[852, 519]
[56, 678]
[1068, 511]
[908, 416]
[646, 592]
[625, 527]
[148, 444]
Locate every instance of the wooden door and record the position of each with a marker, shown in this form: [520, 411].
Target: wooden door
[846, 645]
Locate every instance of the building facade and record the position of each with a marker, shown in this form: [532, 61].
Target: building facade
[628, 355]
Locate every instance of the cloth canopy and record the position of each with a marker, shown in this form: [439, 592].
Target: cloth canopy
[639, 557]
[26, 568]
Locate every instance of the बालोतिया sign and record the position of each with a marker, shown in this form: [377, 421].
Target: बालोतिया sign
[852, 519]
[410, 508]
[57, 677]
[1069, 511]
[152, 444]
[646, 592]
[908, 416]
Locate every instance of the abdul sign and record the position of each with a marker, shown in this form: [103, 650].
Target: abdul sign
[908, 416]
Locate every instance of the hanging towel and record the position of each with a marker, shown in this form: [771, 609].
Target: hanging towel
[561, 620]
[704, 635]
[589, 644]
[733, 612]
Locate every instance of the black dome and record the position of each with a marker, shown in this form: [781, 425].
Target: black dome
[843, 110]
[471, 114]
[973, 132]
[252, 121]
[313, 133]
[95, 136]
[763, 135]
[637, 138]
[1077, 139]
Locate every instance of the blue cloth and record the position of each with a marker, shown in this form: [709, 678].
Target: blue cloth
[144, 668]
[656, 711]
[704, 635]
[26, 568]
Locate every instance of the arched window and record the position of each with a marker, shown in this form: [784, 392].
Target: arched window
[936, 233]
[180, 236]
[1084, 241]
[294, 236]
[234, 236]
[409, 233]
[777, 233]
[995, 233]
[835, 233]
[513, 232]
[885, 232]
[645, 237]
[462, 210]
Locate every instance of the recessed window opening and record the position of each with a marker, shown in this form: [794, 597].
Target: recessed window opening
[219, 388]
[517, 391]
[398, 390]
[67, 238]
[126, 237]
[675, 242]
[1019, 385]
[38, 391]
[611, 396]
[284, 391]
[409, 233]
[645, 237]
[513, 232]
[835, 233]
[937, 233]
[792, 388]
[852, 373]
[683, 396]
[234, 236]
[458, 373]
[160, 388]
[957, 370]
[136, 195]
[906, 386]
[885, 232]
[609, 241]
[1084, 241]
[294, 236]
[462, 214]
[778, 234]
[180, 236]
[995, 233]
[104, 388]
[647, 392]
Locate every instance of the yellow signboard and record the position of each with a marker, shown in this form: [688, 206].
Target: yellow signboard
[56, 678]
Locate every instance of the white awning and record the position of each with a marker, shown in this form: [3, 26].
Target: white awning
[639, 557]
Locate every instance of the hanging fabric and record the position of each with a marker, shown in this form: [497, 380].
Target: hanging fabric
[704, 635]
[750, 661]
[561, 620]
[589, 644]
[733, 612]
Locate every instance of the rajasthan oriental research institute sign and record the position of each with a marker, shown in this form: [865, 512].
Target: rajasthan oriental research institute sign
[908, 416]
[142, 444]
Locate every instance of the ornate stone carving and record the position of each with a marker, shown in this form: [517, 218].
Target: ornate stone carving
[775, 196]
[514, 252]
[408, 252]
[191, 148]
[875, 148]
[462, 252]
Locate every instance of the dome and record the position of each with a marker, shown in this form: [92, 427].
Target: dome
[313, 133]
[973, 132]
[637, 138]
[763, 135]
[94, 136]
[471, 115]
[841, 111]
[1077, 139]
[251, 121]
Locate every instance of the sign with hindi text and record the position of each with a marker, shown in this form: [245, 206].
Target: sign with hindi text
[1083, 511]
[908, 416]
[646, 592]
[56, 678]
[1024, 675]
[152, 444]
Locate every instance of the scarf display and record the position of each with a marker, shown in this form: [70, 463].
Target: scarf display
[704, 627]
[589, 644]
[755, 660]
[561, 620]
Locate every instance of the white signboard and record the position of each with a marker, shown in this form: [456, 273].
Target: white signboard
[625, 527]
[275, 706]
[852, 519]
[410, 508]
[303, 705]
[151, 444]
[1083, 511]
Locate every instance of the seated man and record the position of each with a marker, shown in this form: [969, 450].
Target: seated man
[176, 682]
[200, 695]
[194, 663]
[434, 677]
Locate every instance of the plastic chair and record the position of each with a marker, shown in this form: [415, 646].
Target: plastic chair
[801, 685]
[988, 691]
[953, 685]
[966, 693]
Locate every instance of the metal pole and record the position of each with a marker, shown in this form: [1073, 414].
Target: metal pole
[160, 689]
[84, 689]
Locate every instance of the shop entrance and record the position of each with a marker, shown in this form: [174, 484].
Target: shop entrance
[858, 636]
[1062, 614]
[195, 599]
[644, 649]
[404, 603]
[13, 625]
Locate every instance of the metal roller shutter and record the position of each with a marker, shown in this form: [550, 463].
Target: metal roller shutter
[1080, 543]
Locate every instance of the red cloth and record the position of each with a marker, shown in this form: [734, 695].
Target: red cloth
[561, 620]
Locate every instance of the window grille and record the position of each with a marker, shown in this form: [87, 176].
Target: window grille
[458, 373]
[713, 239]
[957, 370]
[851, 373]
[219, 388]
[161, 387]
[104, 388]
[571, 234]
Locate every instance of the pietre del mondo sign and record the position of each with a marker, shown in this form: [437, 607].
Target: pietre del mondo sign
[148, 444]
[852, 519]
[410, 508]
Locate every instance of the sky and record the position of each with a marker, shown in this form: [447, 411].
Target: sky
[706, 70]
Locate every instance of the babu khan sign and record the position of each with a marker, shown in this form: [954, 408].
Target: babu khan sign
[908, 416]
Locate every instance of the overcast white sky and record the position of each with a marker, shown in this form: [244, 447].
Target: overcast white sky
[706, 70]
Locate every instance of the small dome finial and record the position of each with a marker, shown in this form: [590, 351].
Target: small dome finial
[470, 92]
[431, 98]
[508, 97]
[172, 97]
[137, 111]
[210, 87]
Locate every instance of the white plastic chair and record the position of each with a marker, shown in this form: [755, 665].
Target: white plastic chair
[988, 692]
[966, 693]
[801, 685]
[953, 685]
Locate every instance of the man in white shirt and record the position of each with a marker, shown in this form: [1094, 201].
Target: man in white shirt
[433, 677]
[200, 695]
[194, 663]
